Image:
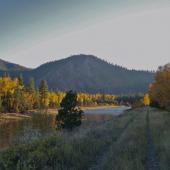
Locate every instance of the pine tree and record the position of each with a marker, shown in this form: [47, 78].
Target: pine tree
[1, 107]
[69, 116]
[31, 86]
[37, 100]
[17, 100]
[43, 90]
[20, 80]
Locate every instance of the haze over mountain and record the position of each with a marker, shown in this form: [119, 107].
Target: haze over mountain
[131, 33]
[87, 73]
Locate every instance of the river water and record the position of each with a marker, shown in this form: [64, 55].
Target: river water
[45, 123]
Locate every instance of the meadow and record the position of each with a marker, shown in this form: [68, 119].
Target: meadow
[137, 140]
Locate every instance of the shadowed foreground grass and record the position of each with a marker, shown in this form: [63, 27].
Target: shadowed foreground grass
[119, 144]
[160, 126]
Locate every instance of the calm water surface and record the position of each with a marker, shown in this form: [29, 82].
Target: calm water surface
[43, 123]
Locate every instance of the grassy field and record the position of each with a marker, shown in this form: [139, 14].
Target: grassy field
[137, 140]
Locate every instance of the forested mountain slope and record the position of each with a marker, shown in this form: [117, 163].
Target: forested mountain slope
[88, 73]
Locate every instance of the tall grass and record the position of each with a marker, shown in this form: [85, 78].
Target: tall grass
[67, 150]
[160, 126]
[118, 144]
[128, 152]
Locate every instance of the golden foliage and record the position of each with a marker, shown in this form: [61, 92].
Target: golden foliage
[7, 86]
[160, 89]
[16, 97]
[146, 100]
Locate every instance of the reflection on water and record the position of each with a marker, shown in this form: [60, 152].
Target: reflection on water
[9, 130]
[107, 111]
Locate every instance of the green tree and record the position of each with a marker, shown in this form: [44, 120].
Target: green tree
[20, 80]
[37, 100]
[17, 100]
[1, 107]
[31, 86]
[43, 91]
[69, 116]
[31, 93]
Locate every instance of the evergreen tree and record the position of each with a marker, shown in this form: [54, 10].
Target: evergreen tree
[37, 100]
[20, 80]
[6, 74]
[43, 91]
[17, 100]
[69, 116]
[7, 102]
[31, 86]
[1, 107]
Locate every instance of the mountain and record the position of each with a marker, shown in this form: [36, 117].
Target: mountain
[87, 73]
[7, 66]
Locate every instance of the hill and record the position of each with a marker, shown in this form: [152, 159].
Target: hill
[87, 73]
[7, 66]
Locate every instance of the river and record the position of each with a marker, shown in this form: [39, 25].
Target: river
[40, 124]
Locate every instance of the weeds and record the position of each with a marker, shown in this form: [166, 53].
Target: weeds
[109, 145]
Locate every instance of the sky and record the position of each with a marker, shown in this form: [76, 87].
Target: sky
[131, 33]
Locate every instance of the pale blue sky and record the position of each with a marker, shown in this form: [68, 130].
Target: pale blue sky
[132, 33]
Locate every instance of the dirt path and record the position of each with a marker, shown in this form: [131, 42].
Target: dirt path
[101, 159]
[151, 160]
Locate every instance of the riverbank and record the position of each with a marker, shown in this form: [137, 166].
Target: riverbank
[17, 127]
[19, 116]
[13, 117]
[95, 146]
[98, 107]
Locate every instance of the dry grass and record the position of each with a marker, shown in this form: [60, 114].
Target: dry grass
[160, 126]
[108, 145]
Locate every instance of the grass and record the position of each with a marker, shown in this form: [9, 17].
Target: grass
[160, 126]
[118, 144]
[67, 150]
[128, 152]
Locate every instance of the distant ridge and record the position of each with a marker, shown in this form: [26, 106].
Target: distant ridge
[87, 73]
[7, 66]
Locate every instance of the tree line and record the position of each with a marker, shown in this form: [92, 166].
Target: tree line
[134, 100]
[159, 90]
[17, 96]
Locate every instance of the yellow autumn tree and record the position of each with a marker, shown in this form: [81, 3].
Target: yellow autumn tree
[7, 85]
[16, 97]
[7, 90]
[53, 99]
[146, 100]
[160, 89]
